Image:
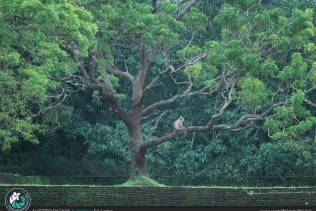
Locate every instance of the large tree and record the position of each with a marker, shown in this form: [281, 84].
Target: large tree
[151, 56]
[262, 61]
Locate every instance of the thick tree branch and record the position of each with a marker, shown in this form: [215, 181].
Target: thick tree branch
[152, 83]
[118, 110]
[310, 90]
[58, 100]
[186, 9]
[190, 62]
[228, 101]
[104, 86]
[74, 81]
[176, 97]
[124, 74]
[157, 120]
[137, 92]
[243, 122]
[171, 70]
[185, 93]
[74, 52]
[310, 103]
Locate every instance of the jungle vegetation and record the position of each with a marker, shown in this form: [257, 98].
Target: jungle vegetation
[92, 87]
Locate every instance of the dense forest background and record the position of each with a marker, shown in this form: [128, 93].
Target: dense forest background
[52, 128]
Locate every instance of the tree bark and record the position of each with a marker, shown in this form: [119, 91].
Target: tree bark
[138, 159]
[138, 164]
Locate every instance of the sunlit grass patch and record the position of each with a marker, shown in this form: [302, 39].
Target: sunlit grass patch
[142, 181]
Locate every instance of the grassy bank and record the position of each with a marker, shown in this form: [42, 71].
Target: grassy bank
[87, 195]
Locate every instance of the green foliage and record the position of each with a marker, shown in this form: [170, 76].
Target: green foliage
[228, 15]
[195, 21]
[194, 70]
[189, 52]
[35, 34]
[256, 45]
[253, 92]
[214, 52]
[313, 74]
[269, 68]
[276, 160]
[114, 81]
[292, 122]
[296, 69]
[137, 20]
[107, 145]
[265, 47]
[14, 108]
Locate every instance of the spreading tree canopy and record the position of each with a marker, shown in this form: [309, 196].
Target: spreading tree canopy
[143, 58]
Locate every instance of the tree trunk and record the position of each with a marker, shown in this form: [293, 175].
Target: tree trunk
[138, 156]
[138, 164]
